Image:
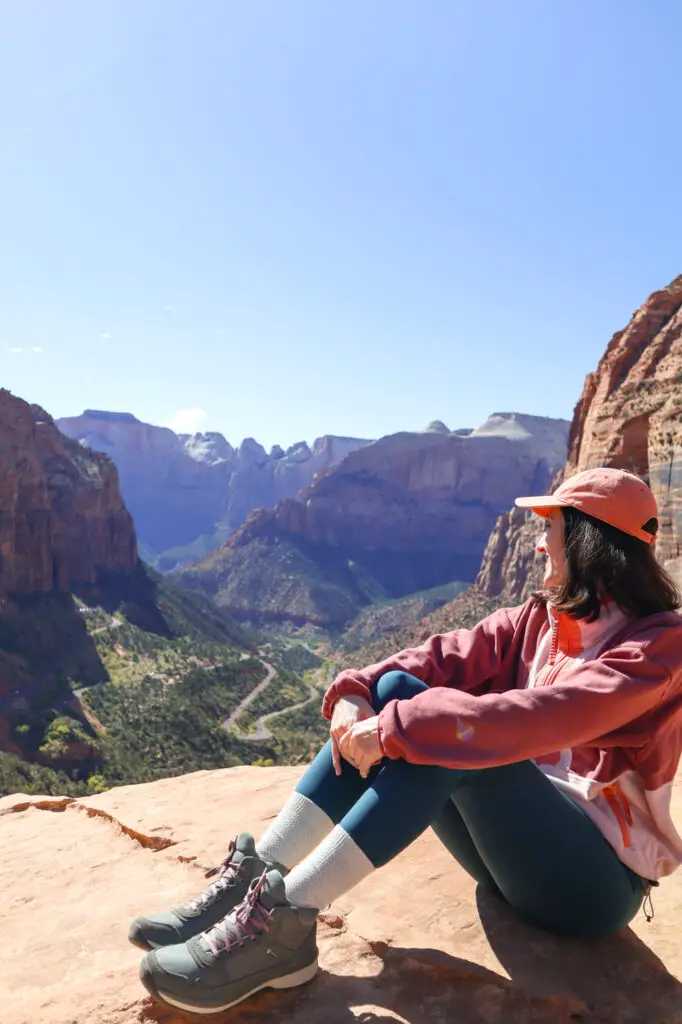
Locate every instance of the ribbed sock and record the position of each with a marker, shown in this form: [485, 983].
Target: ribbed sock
[334, 867]
[296, 830]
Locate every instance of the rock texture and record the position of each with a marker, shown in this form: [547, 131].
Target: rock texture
[62, 519]
[511, 568]
[406, 513]
[630, 412]
[629, 416]
[414, 944]
[63, 528]
[191, 491]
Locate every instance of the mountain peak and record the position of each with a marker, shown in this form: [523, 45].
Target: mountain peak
[435, 427]
[110, 417]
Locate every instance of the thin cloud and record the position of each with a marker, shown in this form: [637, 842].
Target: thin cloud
[37, 348]
[15, 350]
[169, 309]
[105, 336]
[186, 421]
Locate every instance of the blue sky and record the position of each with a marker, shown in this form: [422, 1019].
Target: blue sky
[282, 219]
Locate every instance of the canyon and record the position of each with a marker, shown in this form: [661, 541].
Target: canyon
[187, 492]
[408, 512]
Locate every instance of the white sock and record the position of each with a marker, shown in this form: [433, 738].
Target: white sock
[296, 830]
[334, 867]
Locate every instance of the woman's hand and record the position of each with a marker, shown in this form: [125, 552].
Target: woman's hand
[364, 745]
[348, 711]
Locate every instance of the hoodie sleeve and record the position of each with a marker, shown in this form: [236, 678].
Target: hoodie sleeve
[588, 701]
[465, 659]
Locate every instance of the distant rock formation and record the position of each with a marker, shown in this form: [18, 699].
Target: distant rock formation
[63, 520]
[436, 427]
[192, 490]
[511, 569]
[408, 512]
[629, 416]
[63, 529]
[69, 573]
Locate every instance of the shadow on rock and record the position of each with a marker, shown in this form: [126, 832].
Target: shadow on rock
[406, 986]
[551, 981]
[615, 979]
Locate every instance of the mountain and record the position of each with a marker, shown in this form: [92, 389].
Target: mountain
[63, 520]
[629, 415]
[188, 492]
[89, 638]
[406, 513]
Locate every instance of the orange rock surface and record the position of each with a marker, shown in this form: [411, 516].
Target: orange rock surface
[414, 943]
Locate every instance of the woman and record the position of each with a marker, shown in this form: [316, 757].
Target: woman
[540, 746]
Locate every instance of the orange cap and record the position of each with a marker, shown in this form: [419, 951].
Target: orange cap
[610, 495]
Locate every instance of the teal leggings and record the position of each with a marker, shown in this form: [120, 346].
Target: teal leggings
[509, 828]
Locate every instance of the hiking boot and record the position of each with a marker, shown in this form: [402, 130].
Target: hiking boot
[264, 943]
[235, 875]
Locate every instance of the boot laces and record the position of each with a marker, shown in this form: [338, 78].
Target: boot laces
[227, 870]
[247, 921]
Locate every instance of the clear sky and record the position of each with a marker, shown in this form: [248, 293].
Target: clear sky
[283, 218]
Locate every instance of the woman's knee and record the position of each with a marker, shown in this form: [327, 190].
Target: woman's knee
[396, 686]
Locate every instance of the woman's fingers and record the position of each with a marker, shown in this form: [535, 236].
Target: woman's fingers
[345, 747]
[340, 738]
[362, 746]
[336, 755]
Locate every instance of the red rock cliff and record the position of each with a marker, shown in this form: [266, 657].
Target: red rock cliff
[629, 416]
[630, 412]
[62, 518]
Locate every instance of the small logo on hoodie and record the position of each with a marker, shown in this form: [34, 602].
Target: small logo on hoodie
[464, 732]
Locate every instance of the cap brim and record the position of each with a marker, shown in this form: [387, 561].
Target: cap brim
[540, 503]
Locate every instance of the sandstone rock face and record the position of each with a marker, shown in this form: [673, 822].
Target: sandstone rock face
[413, 944]
[630, 412]
[408, 512]
[173, 496]
[261, 481]
[180, 488]
[628, 416]
[511, 569]
[63, 521]
[210, 447]
[424, 492]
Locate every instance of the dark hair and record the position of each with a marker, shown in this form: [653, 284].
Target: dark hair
[603, 562]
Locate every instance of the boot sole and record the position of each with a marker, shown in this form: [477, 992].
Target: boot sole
[299, 977]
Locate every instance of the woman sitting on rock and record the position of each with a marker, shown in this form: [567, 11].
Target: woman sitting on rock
[540, 746]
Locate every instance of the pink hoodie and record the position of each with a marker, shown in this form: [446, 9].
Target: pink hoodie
[597, 706]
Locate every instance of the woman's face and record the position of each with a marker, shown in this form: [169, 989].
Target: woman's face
[551, 544]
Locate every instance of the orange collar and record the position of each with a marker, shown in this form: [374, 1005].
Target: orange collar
[575, 636]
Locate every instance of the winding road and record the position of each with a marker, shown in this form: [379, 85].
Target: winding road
[229, 723]
[260, 733]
